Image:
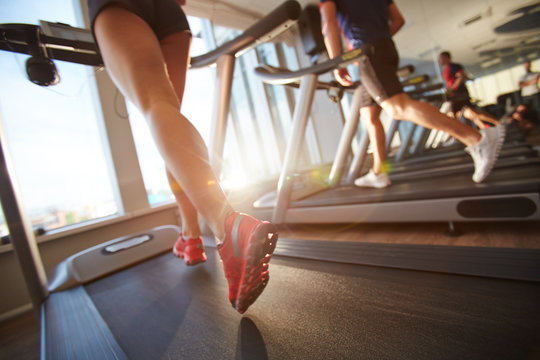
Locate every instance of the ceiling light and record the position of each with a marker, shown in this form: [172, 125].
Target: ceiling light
[490, 63]
[485, 43]
[484, 14]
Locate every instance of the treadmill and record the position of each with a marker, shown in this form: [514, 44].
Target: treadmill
[510, 193]
[62, 42]
[124, 299]
[421, 145]
[413, 160]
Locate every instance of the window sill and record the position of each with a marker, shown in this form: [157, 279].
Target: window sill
[93, 224]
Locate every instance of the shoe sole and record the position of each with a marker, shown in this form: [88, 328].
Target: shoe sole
[258, 253]
[501, 134]
[373, 186]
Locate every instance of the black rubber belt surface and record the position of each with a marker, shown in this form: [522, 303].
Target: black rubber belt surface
[162, 309]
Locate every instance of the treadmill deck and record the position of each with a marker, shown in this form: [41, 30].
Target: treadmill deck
[162, 309]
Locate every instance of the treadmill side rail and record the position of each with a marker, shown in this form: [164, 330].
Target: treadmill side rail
[470, 208]
[72, 328]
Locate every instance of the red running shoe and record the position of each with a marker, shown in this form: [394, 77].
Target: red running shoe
[246, 251]
[191, 250]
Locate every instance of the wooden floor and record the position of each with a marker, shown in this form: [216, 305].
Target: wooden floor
[495, 234]
[502, 234]
[19, 338]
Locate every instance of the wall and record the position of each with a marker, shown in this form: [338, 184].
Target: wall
[56, 247]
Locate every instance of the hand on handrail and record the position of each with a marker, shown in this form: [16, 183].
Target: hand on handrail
[343, 77]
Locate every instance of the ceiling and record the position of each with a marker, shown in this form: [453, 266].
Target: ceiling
[466, 28]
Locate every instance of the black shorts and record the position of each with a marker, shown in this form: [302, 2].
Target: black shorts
[378, 78]
[165, 17]
[459, 103]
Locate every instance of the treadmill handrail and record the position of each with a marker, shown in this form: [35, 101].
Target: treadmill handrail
[270, 26]
[277, 76]
[427, 89]
[22, 38]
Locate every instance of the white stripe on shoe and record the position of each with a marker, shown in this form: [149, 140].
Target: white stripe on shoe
[234, 234]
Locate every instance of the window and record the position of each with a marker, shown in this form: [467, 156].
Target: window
[150, 161]
[3, 227]
[259, 123]
[281, 102]
[487, 88]
[259, 119]
[53, 135]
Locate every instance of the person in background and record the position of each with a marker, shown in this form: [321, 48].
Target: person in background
[375, 22]
[530, 93]
[458, 95]
[522, 118]
[145, 47]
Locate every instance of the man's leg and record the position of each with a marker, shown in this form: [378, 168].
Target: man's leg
[483, 146]
[377, 176]
[401, 107]
[479, 117]
[370, 116]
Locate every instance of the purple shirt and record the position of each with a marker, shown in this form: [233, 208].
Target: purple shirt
[363, 21]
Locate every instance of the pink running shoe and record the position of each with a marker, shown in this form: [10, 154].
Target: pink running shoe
[246, 251]
[191, 250]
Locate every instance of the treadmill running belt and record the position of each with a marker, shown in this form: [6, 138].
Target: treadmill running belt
[162, 309]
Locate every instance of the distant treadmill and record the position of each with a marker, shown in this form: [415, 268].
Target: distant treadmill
[510, 192]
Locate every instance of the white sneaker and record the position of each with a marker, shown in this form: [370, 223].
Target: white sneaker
[486, 152]
[373, 180]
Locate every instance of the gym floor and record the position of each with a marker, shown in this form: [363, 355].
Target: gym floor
[20, 337]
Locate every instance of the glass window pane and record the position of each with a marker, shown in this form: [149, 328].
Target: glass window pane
[517, 72]
[53, 132]
[253, 128]
[279, 104]
[243, 103]
[505, 81]
[224, 34]
[487, 89]
[150, 161]
[256, 122]
[3, 226]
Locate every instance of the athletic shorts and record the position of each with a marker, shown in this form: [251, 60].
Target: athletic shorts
[459, 103]
[165, 17]
[378, 78]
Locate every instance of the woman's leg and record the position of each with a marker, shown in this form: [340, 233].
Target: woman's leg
[188, 213]
[136, 61]
[134, 58]
[175, 48]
